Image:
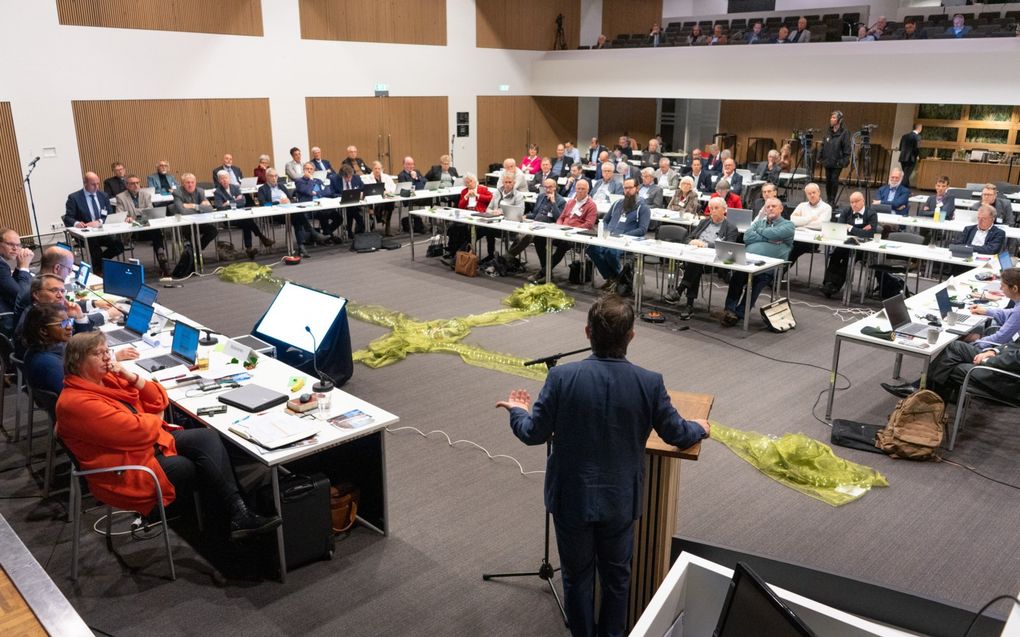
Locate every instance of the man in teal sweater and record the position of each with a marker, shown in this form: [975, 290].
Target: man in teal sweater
[770, 236]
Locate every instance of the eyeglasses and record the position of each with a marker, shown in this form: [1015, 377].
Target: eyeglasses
[60, 291]
[134, 183]
[12, 244]
[68, 322]
[101, 353]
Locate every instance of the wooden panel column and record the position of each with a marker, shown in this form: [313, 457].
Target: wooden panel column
[634, 116]
[334, 123]
[553, 121]
[504, 123]
[13, 205]
[415, 126]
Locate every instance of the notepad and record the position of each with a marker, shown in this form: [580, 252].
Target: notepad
[274, 430]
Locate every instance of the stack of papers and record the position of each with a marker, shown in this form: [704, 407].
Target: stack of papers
[274, 430]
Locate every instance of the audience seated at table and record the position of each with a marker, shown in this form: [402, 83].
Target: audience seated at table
[108, 416]
[510, 168]
[595, 150]
[771, 236]
[443, 172]
[531, 163]
[685, 199]
[940, 197]
[627, 217]
[161, 181]
[227, 196]
[609, 184]
[1003, 207]
[234, 173]
[769, 169]
[411, 174]
[475, 198]
[651, 156]
[548, 206]
[352, 160]
[714, 227]
[384, 211]
[768, 191]
[88, 208]
[578, 212]
[730, 174]
[273, 193]
[665, 176]
[132, 201]
[648, 191]
[572, 152]
[295, 168]
[13, 282]
[46, 330]
[1008, 319]
[260, 170]
[325, 165]
[862, 223]
[625, 147]
[309, 188]
[189, 199]
[702, 178]
[722, 189]
[984, 237]
[344, 181]
[116, 184]
[894, 194]
[810, 214]
[545, 172]
[570, 181]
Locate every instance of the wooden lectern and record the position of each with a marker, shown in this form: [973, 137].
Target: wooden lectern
[654, 532]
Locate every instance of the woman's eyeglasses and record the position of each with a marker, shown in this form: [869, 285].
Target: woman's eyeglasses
[68, 322]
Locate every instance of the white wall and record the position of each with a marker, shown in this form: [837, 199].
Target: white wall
[48, 65]
[591, 21]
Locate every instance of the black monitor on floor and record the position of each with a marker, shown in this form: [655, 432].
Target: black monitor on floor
[751, 609]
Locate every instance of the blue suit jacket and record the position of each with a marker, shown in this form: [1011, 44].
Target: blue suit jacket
[153, 182]
[77, 208]
[615, 186]
[309, 188]
[994, 240]
[326, 165]
[900, 198]
[599, 413]
[233, 169]
[336, 184]
[948, 208]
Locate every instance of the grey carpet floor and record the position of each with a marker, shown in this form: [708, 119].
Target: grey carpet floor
[938, 530]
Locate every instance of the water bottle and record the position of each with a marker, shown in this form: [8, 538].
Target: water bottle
[938, 212]
[602, 229]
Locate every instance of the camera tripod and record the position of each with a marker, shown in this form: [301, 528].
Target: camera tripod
[546, 571]
[561, 39]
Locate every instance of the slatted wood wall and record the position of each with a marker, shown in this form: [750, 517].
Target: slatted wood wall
[228, 17]
[508, 123]
[13, 205]
[386, 129]
[630, 16]
[393, 21]
[192, 134]
[526, 24]
[632, 115]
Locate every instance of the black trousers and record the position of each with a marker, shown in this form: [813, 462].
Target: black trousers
[248, 228]
[908, 168]
[560, 249]
[459, 234]
[201, 460]
[355, 220]
[692, 280]
[104, 248]
[832, 184]
[206, 233]
[835, 272]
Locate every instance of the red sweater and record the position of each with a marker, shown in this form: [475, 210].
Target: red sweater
[588, 218]
[481, 201]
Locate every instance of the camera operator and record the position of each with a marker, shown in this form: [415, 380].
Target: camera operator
[835, 154]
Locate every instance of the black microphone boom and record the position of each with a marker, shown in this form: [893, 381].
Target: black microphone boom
[324, 385]
[34, 162]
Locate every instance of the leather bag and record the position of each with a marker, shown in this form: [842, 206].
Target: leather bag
[466, 263]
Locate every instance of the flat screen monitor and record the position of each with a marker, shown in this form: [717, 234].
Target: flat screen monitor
[139, 318]
[65, 246]
[752, 609]
[122, 278]
[147, 294]
[295, 308]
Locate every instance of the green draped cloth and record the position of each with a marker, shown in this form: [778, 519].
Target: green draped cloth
[408, 335]
[801, 463]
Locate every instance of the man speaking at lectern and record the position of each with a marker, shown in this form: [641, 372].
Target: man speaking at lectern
[599, 413]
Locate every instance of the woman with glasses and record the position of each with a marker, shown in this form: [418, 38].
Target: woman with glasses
[109, 416]
[46, 331]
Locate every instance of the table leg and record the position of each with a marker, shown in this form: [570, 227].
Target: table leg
[832, 378]
[275, 474]
[848, 286]
[924, 371]
[410, 227]
[195, 242]
[384, 528]
[288, 232]
[548, 261]
[897, 365]
[747, 301]
[638, 283]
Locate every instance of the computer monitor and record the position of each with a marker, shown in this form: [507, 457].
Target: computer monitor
[147, 294]
[81, 278]
[1005, 261]
[65, 246]
[122, 278]
[295, 308]
[751, 608]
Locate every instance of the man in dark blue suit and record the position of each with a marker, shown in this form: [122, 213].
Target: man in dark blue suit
[948, 204]
[88, 208]
[894, 194]
[598, 412]
[347, 180]
[984, 237]
[319, 162]
[232, 171]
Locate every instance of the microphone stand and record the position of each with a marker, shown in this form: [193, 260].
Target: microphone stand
[31, 199]
[452, 138]
[546, 571]
[324, 385]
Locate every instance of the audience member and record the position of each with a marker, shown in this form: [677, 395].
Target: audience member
[651, 156]
[273, 193]
[310, 188]
[939, 201]
[545, 172]
[655, 36]
[1008, 319]
[108, 416]
[601, 42]
[161, 181]
[959, 29]
[595, 150]
[561, 165]
[864, 35]
[531, 162]
[411, 174]
[627, 217]
[344, 181]
[134, 200]
[356, 163]
[443, 172]
[608, 185]
[1003, 207]
[810, 214]
[234, 173]
[722, 189]
[649, 192]
[730, 174]
[713, 162]
[894, 194]
[786, 157]
[782, 36]
[685, 199]
[665, 176]
[189, 199]
[835, 154]
[294, 169]
[260, 170]
[861, 222]
[696, 37]
[325, 165]
[88, 208]
[702, 178]
[802, 35]
[625, 147]
[548, 206]
[569, 186]
[984, 237]
[911, 32]
[768, 191]
[713, 228]
[756, 34]
[228, 196]
[579, 212]
[769, 169]
[473, 197]
[572, 152]
[718, 37]
[116, 184]
[13, 282]
[771, 236]
[909, 144]
[880, 29]
[46, 330]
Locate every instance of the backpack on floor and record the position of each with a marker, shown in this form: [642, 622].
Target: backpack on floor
[580, 271]
[185, 266]
[366, 242]
[915, 427]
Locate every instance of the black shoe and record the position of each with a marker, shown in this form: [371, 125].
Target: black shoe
[672, 297]
[828, 290]
[900, 391]
[686, 312]
[301, 252]
[246, 524]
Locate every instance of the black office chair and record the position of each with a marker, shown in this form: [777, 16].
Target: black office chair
[47, 401]
[1010, 398]
[673, 234]
[898, 265]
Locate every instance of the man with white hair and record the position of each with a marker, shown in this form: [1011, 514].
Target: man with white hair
[651, 156]
[320, 163]
[352, 160]
[894, 194]
[665, 176]
[608, 185]
[649, 192]
[811, 214]
[769, 169]
[233, 172]
[714, 227]
[730, 174]
[510, 168]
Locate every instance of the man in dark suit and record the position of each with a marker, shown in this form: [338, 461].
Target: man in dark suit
[713, 163]
[569, 187]
[908, 152]
[117, 184]
[1003, 207]
[411, 174]
[911, 32]
[950, 368]
[594, 150]
[894, 194]
[13, 283]
[347, 180]
[948, 204]
[984, 237]
[730, 174]
[228, 196]
[355, 162]
[702, 178]
[561, 163]
[233, 172]
[88, 208]
[959, 29]
[597, 464]
[319, 162]
[862, 223]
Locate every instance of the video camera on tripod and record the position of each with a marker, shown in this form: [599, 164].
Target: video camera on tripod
[865, 132]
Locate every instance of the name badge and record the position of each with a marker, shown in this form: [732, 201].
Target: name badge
[471, 202]
[858, 221]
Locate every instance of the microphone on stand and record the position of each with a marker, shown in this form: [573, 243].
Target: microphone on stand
[324, 385]
[34, 162]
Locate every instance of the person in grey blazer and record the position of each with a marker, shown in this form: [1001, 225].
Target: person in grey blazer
[133, 200]
[713, 228]
[608, 185]
[665, 176]
[730, 174]
[801, 35]
[649, 191]
[161, 181]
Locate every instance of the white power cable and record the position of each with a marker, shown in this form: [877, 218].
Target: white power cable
[473, 444]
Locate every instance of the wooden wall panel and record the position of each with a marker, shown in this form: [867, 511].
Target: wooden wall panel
[192, 134]
[630, 16]
[228, 17]
[13, 205]
[777, 120]
[383, 128]
[526, 24]
[393, 21]
[503, 123]
[553, 121]
[626, 115]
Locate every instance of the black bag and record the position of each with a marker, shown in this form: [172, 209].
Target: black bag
[855, 435]
[576, 275]
[419, 225]
[889, 285]
[186, 265]
[307, 521]
[390, 244]
[367, 242]
[625, 282]
[437, 246]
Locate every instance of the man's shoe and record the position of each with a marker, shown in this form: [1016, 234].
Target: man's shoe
[537, 277]
[828, 290]
[609, 284]
[318, 237]
[900, 391]
[446, 260]
[266, 241]
[301, 252]
[247, 523]
[673, 297]
[729, 319]
[251, 252]
[717, 314]
[686, 312]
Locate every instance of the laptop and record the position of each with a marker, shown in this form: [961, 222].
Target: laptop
[881, 209]
[832, 231]
[144, 215]
[458, 182]
[728, 252]
[511, 211]
[321, 175]
[122, 278]
[252, 398]
[135, 326]
[146, 295]
[945, 309]
[81, 277]
[433, 185]
[373, 189]
[899, 317]
[961, 250]
[404, 185]
[1005, 261]
[249, 182]
[183, 350]
[350, 196]
[739, 217]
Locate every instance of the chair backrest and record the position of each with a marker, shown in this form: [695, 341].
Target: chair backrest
[960, 193]
[974, 186]
[1006, 188]
[672, 233]
[906, 237]
[47, 401]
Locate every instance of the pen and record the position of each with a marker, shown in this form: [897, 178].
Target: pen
[240, 420]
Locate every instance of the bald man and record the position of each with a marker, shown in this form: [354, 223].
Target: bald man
[88, 208]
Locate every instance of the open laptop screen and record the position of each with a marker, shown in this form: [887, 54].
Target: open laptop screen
[185, 343]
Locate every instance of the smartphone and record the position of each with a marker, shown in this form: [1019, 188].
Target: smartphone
[212, 411]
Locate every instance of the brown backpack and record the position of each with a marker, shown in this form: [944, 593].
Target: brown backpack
[915, 427]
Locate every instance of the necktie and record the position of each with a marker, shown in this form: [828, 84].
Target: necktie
[94, 206]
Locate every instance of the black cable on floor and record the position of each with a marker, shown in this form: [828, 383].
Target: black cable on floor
[56, 540]
[985, 607]
[978, 473]
[101, 632]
